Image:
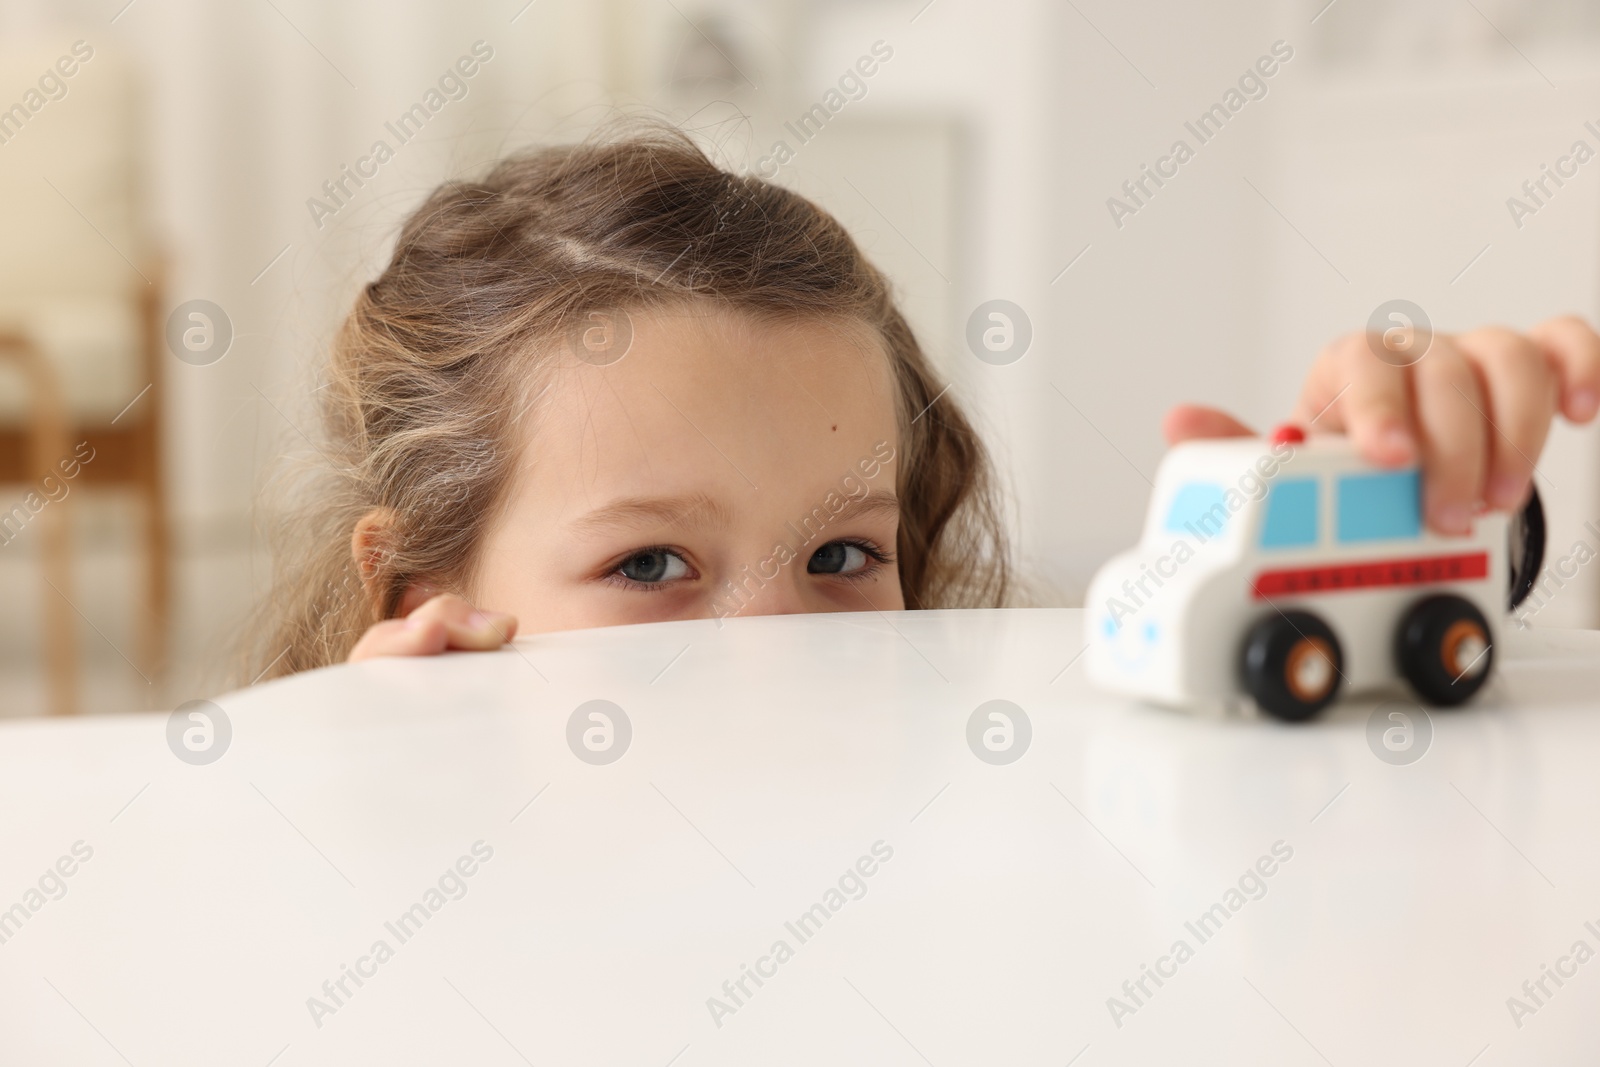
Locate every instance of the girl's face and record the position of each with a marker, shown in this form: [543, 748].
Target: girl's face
[724, 466]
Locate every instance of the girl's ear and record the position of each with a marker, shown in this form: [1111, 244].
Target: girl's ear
[369, 547]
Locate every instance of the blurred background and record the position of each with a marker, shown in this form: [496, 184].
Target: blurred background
[180, 233]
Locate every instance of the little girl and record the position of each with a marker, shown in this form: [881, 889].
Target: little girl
[614, 383]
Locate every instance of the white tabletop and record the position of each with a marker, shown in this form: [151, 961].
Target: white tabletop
[767, 758]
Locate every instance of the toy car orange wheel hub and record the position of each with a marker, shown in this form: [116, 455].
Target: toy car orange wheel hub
[1308, 669]
[1461, 650]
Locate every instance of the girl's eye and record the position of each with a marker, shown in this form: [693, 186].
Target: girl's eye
[652, 566]
[838, 557]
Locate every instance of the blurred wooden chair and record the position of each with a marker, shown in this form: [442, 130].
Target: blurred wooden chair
[80, 337]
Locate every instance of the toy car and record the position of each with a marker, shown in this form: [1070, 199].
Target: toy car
[1290, 571]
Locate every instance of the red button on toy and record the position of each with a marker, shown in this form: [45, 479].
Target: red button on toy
[1288, 434]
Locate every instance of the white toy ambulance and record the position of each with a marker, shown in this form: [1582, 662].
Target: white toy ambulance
[1291, 570]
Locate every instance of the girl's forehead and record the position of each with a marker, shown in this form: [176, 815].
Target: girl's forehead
[728, 341]
[706, 398]
[724, 368]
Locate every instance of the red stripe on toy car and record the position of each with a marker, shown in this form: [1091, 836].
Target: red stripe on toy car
[1373, 575]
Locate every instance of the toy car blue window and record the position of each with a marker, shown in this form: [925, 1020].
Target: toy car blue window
[1379, 507]
[1291, 514]
[1198, 506]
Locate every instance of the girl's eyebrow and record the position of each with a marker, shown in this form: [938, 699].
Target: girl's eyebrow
[700, 509]
[684, 511]
[877, 502]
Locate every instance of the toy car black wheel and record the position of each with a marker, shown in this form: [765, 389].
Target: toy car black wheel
[1292, 665]
[1527, 543]
[1444, 650]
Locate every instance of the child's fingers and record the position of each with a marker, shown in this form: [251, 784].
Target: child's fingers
[1475, 409]
[1451, 411]
[484, 631]
[1573, 348]
[444, 622]
[401, 637]
[465, 626]
[1188, 422]
[1373, 402]
[1521, 393]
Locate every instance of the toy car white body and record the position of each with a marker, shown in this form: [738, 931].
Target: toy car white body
[1290, 570]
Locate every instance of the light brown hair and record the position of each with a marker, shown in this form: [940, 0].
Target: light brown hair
[433, 366]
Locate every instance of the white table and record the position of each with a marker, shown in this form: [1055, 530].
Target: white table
[767, 757]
